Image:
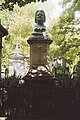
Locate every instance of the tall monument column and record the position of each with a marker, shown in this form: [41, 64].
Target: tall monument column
[39, 46]
[39, 42]
[38, 80]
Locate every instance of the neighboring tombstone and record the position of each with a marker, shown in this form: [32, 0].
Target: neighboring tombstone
[62, 70]
[76, 73]
[6, 73]
[54, 67]
[17, 62]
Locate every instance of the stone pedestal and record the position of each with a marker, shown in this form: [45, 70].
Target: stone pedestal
[39, 46]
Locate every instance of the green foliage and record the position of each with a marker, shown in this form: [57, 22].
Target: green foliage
[9, 4]
[64, 32]
[20, 26]
[66, 41]
[10, 82]
[1, 1]
[75, 5]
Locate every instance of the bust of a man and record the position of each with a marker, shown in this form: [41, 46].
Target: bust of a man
[39, 21]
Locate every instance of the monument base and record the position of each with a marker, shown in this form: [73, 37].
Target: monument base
[39, 73]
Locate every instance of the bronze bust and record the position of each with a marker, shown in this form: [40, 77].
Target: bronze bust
[39, 21]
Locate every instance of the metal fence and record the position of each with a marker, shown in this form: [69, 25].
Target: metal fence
[40, 101]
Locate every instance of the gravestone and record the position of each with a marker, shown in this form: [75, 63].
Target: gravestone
[39, 47]
[39, 79]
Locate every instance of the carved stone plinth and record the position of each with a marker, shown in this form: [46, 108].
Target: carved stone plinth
[39, 46]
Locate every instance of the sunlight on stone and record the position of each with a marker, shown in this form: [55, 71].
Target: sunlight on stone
[41, 68]
[32, 75]
[40, 74]
[34, 71]
[3, 118]
[21, 82]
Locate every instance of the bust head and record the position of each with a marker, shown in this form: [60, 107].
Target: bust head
[40, 17]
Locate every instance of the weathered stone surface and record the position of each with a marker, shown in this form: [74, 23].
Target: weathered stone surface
[39, 43]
